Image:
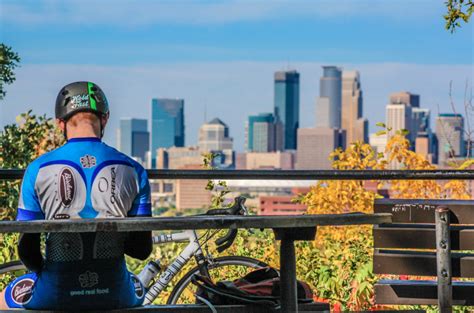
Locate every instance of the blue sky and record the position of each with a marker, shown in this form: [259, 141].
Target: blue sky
[221, 54]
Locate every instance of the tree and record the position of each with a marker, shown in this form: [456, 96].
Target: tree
[458, 10]
[9, 60]
[339, 263]
[20, 144]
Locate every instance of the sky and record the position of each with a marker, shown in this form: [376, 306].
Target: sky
[220, 56]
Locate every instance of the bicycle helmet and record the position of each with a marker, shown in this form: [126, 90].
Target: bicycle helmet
[80, 97]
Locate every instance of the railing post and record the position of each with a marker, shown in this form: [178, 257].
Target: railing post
[443, 260]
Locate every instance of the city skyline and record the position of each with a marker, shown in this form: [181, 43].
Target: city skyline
[222, 63]
[192, 140]
[403, 111]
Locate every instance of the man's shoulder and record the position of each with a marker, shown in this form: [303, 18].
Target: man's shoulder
[115, 154]
[43, 159]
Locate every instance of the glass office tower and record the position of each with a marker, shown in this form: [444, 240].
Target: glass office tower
[134, 138]
[328, 107]
[167, 125]
[261, 133]
[287, 105]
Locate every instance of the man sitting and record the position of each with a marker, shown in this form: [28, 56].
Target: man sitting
[83, 179]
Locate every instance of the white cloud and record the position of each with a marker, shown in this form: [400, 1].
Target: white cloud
[229, 90]
[127, 13]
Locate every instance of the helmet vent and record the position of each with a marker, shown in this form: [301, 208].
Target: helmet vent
[65, 92]
[68, 99]
[94, 88]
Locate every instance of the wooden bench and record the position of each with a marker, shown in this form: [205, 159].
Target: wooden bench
[288, 229]
[420, 243]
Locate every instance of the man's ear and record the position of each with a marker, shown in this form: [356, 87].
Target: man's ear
[104, 118]
[61, 124]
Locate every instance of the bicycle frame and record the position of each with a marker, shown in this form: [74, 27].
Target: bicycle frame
[192, 249]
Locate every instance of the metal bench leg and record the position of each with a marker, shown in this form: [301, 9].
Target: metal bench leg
[443, 259]
[289, 302]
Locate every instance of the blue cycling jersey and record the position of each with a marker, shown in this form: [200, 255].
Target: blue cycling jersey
[85, 178]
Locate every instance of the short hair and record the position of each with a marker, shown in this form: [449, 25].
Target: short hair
[85, 117]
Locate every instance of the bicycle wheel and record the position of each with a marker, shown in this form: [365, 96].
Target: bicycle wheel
[13, 266]
[233, 266]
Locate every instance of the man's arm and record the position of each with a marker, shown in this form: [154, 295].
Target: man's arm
[139, 245]
[29, 248]
[29, 251]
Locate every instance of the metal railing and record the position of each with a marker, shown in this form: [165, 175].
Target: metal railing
[11, 174]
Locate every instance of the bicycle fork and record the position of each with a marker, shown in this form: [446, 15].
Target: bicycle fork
[173, 268]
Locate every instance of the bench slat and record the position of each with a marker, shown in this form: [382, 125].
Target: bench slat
[422, 237]
[191, 308]
[420, 292]
[400, 262]
[191, 222]
[412, 211]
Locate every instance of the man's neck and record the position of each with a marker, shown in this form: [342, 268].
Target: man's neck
[82, 132]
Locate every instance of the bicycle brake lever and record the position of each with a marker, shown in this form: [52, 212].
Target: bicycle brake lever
[226, 241]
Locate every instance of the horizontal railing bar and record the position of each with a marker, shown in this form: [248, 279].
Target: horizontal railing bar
[191, 222]
[10, 174]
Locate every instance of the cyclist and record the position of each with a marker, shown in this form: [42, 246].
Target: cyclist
[83, 179]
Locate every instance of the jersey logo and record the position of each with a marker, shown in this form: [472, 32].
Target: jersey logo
[88, 279]
[62, 216]
[113, 185]
[67, 186]
[22, 291]
[103, 184]
[88, 161]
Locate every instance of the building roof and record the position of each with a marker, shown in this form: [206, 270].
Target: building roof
[450, 115]
[217, 121]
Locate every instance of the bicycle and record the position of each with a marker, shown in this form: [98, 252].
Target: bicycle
[205, 261]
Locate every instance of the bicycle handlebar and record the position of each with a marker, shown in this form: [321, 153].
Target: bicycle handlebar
[238, 208]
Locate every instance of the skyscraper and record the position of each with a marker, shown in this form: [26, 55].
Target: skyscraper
[425, 140]
[351, 108]
[405, 97]
[408, 103]
[421, 120]
[378, 142]
[214, 136]
[261, 133]
[167, 124]
[315, 145]
[328, 106]
[287, 107]
[398, 117]
[133, 137]
[450, 134]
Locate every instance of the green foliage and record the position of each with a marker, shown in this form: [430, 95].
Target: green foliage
[458, 10]
[220, 188]
[20, 144]
[339, 269]
[8, 61]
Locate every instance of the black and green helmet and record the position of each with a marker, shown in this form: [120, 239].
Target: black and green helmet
[80, 97]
